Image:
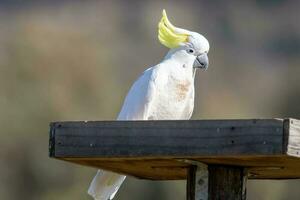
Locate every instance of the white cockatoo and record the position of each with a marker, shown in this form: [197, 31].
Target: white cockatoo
[163, 92]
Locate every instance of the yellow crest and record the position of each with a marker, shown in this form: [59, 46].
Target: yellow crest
[168, 34]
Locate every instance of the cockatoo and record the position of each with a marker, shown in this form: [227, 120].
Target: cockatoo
[163, 92]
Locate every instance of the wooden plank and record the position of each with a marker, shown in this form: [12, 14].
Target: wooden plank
[156, 149]
[263, 167]
[167, 138]
[292, 137]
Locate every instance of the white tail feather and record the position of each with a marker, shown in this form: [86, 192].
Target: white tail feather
[105, 185]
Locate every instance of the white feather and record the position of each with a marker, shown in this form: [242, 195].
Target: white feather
[162, 92]
[105, 185]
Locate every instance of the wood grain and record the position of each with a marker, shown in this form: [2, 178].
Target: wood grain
[226, 183]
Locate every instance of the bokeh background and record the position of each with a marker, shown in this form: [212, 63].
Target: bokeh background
[76, 60]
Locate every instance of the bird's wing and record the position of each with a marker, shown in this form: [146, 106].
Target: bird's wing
[136, 106]
[141, 96]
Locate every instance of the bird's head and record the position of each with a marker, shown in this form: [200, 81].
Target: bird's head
[190, 44]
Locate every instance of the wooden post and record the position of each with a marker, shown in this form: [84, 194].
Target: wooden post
[227, 183]
[217, 182]
[191, 183]
[197, 182]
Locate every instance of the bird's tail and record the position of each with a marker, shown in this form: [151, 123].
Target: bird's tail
[105, 185]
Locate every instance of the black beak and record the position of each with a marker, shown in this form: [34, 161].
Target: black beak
[201, 61]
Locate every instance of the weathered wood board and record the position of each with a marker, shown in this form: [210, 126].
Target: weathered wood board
[163, 150]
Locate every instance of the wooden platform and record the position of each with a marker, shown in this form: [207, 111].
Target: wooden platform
[163, 150]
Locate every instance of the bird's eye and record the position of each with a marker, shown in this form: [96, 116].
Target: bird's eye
[190, 51]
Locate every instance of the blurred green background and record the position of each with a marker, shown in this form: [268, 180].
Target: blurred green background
[76, 60]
